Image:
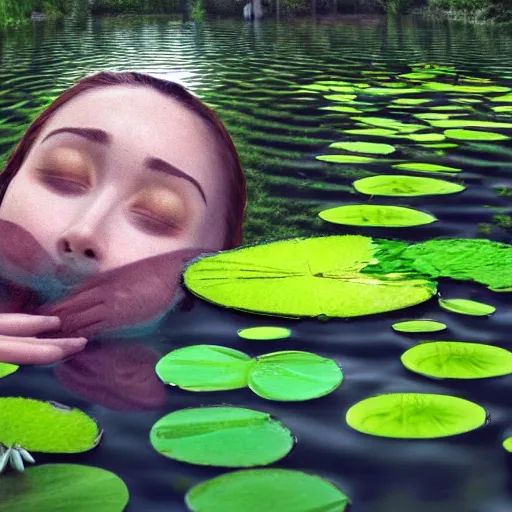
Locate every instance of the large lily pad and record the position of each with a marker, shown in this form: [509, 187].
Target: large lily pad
[376, 216]
[303, 277]
[61, 488]
[204, 368]
[346, 159]
[393, 124]
[402, 186]
[46, 427]
[294, 376]
[458, 360]
[364, 147]
[424, 167]
[415, 416]
[461, 134]
[221, 436]
[258, 490]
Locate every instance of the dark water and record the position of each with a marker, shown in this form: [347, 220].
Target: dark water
[247, 72]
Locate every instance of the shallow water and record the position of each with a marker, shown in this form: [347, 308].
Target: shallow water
[246, 71]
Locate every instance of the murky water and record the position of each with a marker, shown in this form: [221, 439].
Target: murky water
[251, 74]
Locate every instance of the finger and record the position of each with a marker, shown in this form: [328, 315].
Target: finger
[90, 330]
[78, 301]
[17, 352]
[70, 323]
[20, 324]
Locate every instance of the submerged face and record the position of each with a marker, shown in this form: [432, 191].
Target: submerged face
[150, 182]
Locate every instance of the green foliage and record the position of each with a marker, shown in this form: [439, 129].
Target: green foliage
[197, 11]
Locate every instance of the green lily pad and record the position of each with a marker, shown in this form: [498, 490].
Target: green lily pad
[467, 307]
[376, 216]
[221, 436]
[43, 427]
[315, 87]
[379, 132]
[442, 145]
[410, 101]
[424, 167]
[364, 147]
[419, 326]
[426, 137]
[204, 368]
[393, 124]
[461, 123]
[418, 76]
[384, 91]
[340, 97]
[305, 277]
[61, 488]
[507, 444]
[458, 360]
[415, 416]
[342, 108]
[461, 134]
[505, 98]
[294, 376]
[402, 186]
[258, 490]
[346, 159]
[468, 89]
[7, 369]
[264, 333]
[503, 108]
[434, 115]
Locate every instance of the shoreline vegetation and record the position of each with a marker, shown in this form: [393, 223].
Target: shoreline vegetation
[14, 13]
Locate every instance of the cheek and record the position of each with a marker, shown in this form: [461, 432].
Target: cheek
[27, 207]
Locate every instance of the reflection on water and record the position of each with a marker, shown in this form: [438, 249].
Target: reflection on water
[250, 73]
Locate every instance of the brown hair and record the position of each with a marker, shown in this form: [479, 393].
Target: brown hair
[237, 198]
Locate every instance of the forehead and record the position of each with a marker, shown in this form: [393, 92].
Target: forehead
[149, 123]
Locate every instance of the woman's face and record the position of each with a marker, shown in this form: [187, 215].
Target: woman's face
[145, 179]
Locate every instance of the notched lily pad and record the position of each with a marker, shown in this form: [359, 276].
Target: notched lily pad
[376, 216]
[415, 416]
[458, 360]
[294, 376]
[43, 427]
[264, 333]
[258, 490]
[221, 436]
[61, 488]
[467, 307]
[204, 368]
[405, 186]
[304, 277]
[419, 326]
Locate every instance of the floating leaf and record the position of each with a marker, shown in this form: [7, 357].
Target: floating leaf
[346, 159]
[340, 97]
[418, 76]
[393, 124]
[44, 427]
[205, 368]
[379, 132]
[391, 185]
[415, 416]
[221, 436]
[376, 216]
[294, 376]
[411, 101]
[458, 360]
[340, 108]
[419, 326]
[469, 89]
[426, 137]
[461, 123]
[364, 147]
[7, 369]
[467, 307]
[264, 333]
[258, 490]
[474, 135]
[61, 488]
[384, 91]
[424, 167]
[507, 444]
[303, 277]
[505, 98]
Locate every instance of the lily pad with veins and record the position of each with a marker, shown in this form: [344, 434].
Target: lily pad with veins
[304, 277]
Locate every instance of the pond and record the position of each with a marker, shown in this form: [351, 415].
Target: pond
[286, 92]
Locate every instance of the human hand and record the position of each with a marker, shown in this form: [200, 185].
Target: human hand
[122, 297]
[18, 344]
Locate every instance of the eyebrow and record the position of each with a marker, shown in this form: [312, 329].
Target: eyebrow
[151, 163]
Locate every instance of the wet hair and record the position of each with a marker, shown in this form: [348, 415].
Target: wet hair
[232, 168]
